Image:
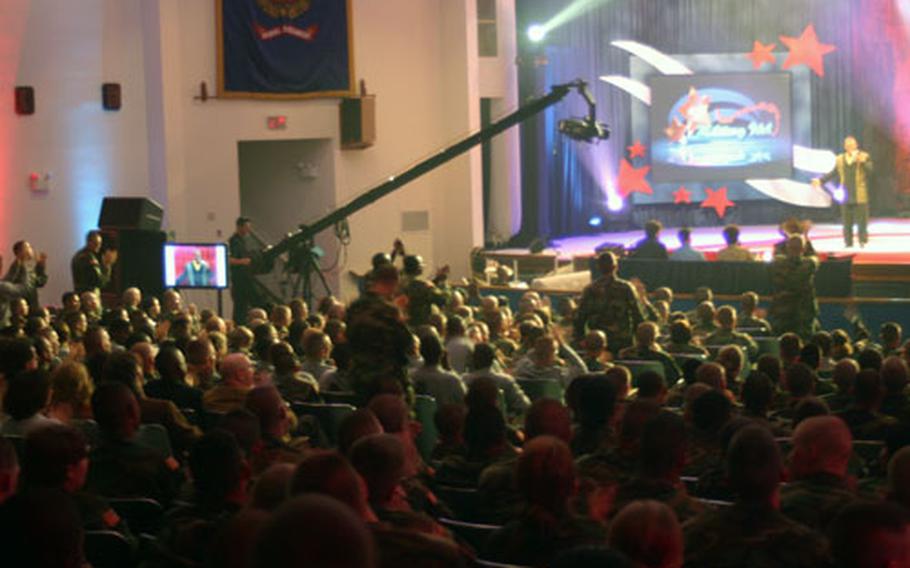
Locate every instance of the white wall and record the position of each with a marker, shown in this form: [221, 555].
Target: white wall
[66, 50]
[417, 56]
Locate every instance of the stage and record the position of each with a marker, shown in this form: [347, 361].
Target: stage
[889, 242]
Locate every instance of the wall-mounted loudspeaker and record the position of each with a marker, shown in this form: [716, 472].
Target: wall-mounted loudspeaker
[110, 96]
[25, 100]
[358, 122]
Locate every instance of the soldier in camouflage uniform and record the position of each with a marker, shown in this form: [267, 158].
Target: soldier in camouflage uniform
[422, 294]
[611, 305]
[752, 532]
[379, 340]
[795, 307]
[818, 490]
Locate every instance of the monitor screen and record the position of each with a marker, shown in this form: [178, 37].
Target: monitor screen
[195, 265]
[721, 127]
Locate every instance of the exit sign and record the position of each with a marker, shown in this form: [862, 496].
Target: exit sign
[277, 122]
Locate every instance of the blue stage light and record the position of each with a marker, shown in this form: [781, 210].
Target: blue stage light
[595, 221]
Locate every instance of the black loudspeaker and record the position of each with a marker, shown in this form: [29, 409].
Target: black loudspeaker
[130, 213]
[110, 96]
[537, 246]
[140, 261]
[25, 100]
[358, 122]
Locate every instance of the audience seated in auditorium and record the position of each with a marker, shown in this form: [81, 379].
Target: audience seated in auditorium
[550, 359]
[818, 487]
[753, 532]
[123, 368]
[650, 247]
[55, 458]
[662, 458]
[294, 384]
[649, 534]
[486, 443]
[171, 384]
[681, 340]
[545, 475]
[275, 422]
[685, 252]
[484, 363]
[236, 381]
[646, 348]
[727, 333]
[748, 318]
[26, 398]
[734, 251]
[431, 379]
[862, 416]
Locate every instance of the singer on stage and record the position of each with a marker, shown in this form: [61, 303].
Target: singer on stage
[852, 170]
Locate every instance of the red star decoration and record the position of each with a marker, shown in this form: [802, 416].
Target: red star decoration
[807, 50]
[717, 199]
[632, 180]
[761, 54]
[637, 150]
[682, 195]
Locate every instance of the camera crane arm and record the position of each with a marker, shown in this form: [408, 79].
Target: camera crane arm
[308, 231]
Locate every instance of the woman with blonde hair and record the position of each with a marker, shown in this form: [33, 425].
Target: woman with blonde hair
[71, 393]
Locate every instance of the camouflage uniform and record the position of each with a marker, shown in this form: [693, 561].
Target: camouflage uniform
[815, 501]
[667, 493]
[672, 372]
[379, 342]
[758, 537]
[794, 307]
[422, 296]
[868, 425]
[611, 305]
[725, 337]
[752, 322]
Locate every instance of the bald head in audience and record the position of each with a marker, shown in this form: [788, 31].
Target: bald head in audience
[237, 371]
[821, 444]
[333, 536]
[649, 534]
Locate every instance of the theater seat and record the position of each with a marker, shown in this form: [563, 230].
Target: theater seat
[144, 516]
[425, 409]
[541, 388]
[108, 549]
[475, 534]
[329, 416]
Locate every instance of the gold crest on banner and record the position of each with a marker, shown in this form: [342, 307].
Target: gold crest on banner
[289, 9]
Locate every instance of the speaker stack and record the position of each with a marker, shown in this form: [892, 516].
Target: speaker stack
[132, 225]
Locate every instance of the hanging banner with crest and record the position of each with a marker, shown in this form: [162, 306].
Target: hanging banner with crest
[284, 48]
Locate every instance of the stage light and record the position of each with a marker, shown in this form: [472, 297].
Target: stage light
[615, 203]
[537, 33]
[595, 221]
[839, 194]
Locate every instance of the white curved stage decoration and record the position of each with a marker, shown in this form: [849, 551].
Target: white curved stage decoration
[810, 160]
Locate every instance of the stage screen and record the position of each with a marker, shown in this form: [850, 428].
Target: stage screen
[194, 265]
[721, 127]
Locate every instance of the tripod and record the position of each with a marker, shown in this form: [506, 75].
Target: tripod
[303, 262]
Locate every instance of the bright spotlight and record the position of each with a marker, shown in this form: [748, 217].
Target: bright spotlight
[615, 203]
[537, 33]
[595, 221]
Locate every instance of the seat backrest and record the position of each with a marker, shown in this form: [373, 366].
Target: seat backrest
[328, 415]
[541, 388]
[475, 534]
[768, 345]
[340, 397]
[108, 549]
[636, 368]
[464, 502]
[425, 409]
[144, 516]
[155, 436]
